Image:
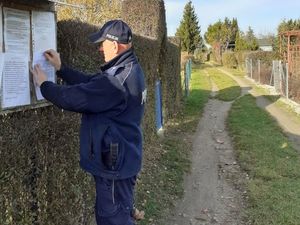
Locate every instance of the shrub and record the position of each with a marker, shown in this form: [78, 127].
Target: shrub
[241, 57]
[229, 60]
[184, 58]
[201, 56]
[264, 57]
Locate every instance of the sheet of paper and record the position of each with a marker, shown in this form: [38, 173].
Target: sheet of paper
[38, 58]
[1, 71]
[16, 90]
[43, 31]
[17, 31]
[1, 30]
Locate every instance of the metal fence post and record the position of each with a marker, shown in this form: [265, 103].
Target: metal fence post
[158, 108]
[258, 61]
[189, 69]
[185, 80]
[251, 68]
[281, 76]
[272, 74]
[188, 76]
[287, 81]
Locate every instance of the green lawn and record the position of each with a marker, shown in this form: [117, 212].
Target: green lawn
[199, 93]
[235, 72]
[272, 164]
[228, 88]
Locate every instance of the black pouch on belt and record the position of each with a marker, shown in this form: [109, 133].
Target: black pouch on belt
[114, 151]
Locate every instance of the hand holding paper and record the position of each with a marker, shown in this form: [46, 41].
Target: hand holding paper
[42, 70]
[53, 58]
[39, 75]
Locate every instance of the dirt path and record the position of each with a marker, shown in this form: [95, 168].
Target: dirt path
[210, 196]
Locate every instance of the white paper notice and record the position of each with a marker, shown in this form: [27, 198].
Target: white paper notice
[17, 31]
[1, 31]
[43, 31]
[1, 70]
[16, 90]
[39, 58]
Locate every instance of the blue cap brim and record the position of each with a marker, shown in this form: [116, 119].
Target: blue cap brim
[96, 37]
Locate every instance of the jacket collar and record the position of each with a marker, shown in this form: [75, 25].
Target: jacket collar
[119, 61]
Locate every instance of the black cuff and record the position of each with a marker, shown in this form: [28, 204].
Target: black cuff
[60, 71]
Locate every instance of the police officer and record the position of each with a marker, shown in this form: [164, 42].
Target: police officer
[112, 106]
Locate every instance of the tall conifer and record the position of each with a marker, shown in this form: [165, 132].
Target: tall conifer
[189, 30]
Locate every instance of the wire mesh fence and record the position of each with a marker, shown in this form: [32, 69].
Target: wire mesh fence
[275, 74]
[187, 76]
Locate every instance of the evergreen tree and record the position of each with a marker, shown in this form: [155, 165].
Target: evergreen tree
[251, 40]
[222, 32]
[214, 33]
[189, 30]
[226, 32]
[240, 42]
[246, 41]
[288, 25]
[234, 29]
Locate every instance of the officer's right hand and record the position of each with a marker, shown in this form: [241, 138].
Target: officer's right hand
[53, 58]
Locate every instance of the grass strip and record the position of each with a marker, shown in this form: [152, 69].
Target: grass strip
[272, 164]
[228, 88]
[235, 72]
[199, 94]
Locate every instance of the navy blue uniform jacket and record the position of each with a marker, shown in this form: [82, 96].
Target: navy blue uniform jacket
[112, 107]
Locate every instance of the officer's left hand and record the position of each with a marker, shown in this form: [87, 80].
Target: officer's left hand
[39, 75]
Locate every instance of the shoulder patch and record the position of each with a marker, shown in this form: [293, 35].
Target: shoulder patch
[144, 97]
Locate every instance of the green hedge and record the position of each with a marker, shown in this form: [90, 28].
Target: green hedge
[263, 56]
[241, 58]
[229, 60]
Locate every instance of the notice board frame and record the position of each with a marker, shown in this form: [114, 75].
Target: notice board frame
[28, 5]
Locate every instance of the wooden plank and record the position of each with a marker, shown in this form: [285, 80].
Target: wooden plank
[43, 5]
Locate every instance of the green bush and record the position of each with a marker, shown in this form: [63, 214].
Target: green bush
[264, 57]
[241, 57]
[201, 56]
[229, 60]
[184, 58]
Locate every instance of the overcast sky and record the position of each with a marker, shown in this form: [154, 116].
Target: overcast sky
[262, 15]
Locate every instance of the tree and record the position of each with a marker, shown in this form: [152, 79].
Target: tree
[214, 33]
[240, 43]
[288, 25]
[222, 33]
[90, 11]
[234, 29]
[251, 40]
[246, 41]
[189, 30]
